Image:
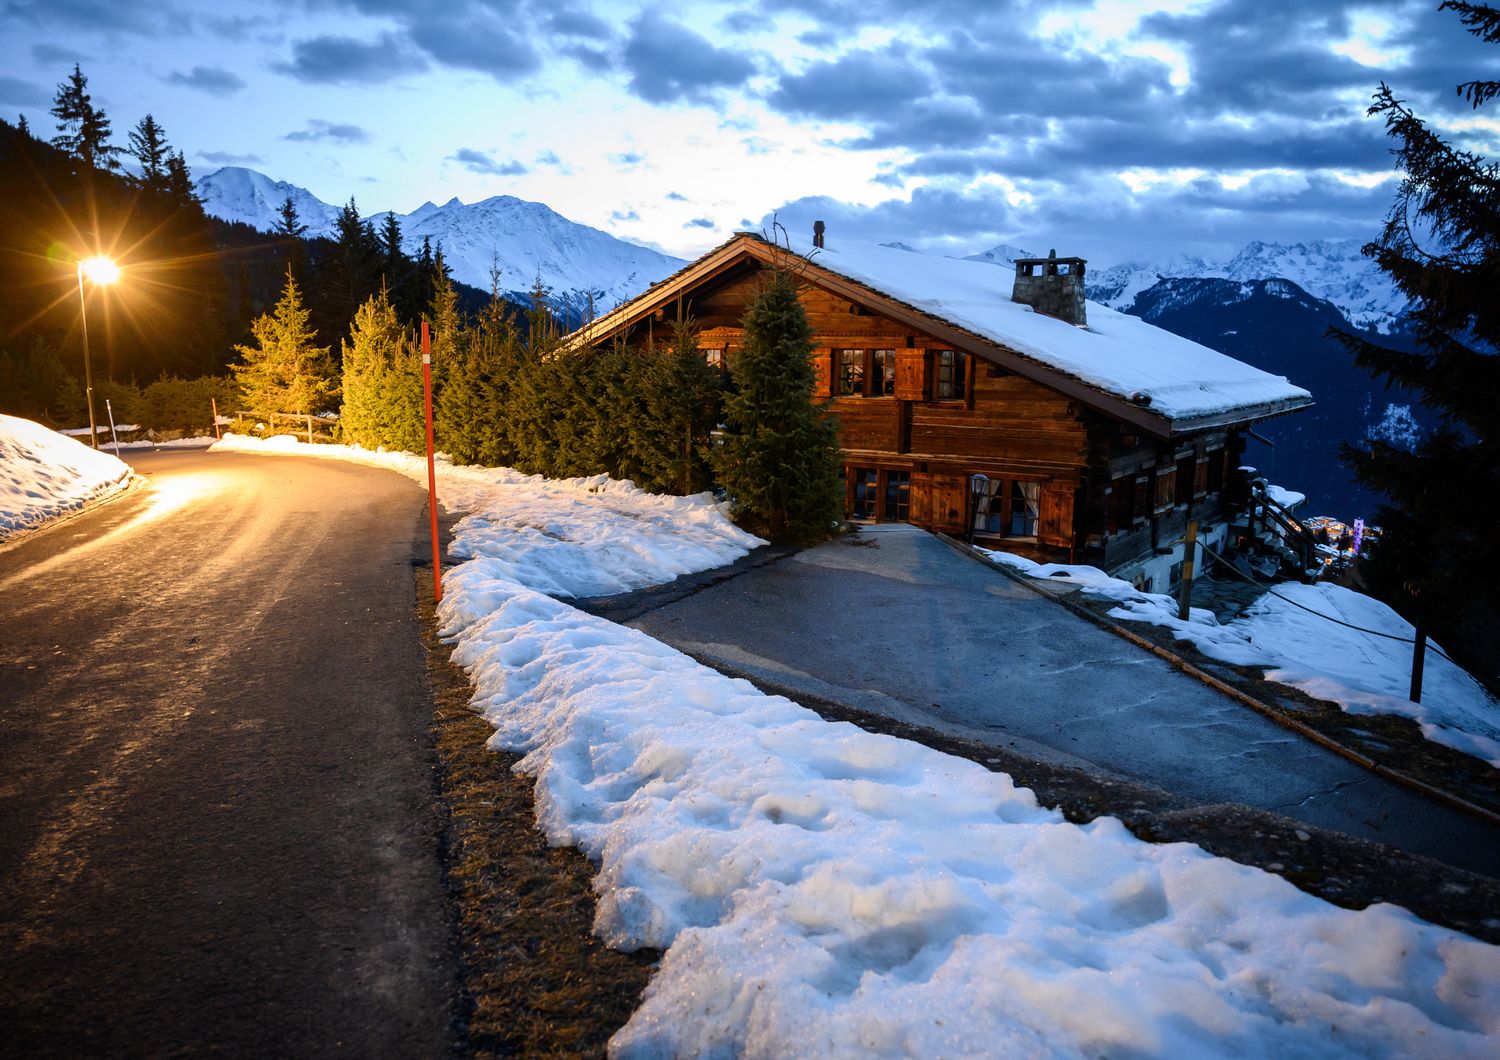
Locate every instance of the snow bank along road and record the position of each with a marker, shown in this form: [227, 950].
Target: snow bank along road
[213, 835]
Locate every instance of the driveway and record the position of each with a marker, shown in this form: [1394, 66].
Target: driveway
[894, 622]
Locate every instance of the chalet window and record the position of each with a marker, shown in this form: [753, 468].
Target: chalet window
[883, 381]
[714, 355]
[1025, 508]
[897, 495]
[1216, 461]
[1186, 470]
[866, 493]
[1007, 507]
[950, 374]
[1141, 497]
[851, 372]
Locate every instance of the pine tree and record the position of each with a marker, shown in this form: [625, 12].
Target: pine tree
[1438, 561]
[681, 400]
[83, 130]
[383, 397]
[22, 125]
[288, 223]
[780, 458]
[148, 143]
[180, 182]
[284, 371]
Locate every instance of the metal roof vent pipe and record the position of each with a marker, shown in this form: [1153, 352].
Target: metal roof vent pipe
[818, 229]
[1052, 285]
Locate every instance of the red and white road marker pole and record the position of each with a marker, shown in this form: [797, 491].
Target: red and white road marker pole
[437, 562]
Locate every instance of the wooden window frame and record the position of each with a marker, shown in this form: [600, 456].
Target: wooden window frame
[1004, 494]
[956, 383]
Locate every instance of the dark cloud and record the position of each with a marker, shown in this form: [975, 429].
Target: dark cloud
[54, 55]
[229, 158]
[861, 85]
[476, 38]
[579, 24]
[624, 215]
[676, 196]
[482, 162]
[109, 15]
[211, 79]
[699, 222]
[743, 22]
[18, 93]
[339, 132]
[628, 158]
[548, 158]
[593, 59]
[669, 63]
[344, 60]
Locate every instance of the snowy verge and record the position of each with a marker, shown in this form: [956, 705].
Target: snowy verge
[1363, 674]
[44, 475]
[823, 891]
[578, 537]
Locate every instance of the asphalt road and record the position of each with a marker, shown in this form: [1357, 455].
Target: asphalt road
[896, 623]
[218, 826]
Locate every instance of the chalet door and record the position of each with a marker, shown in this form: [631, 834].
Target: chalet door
[950, 503]
[921, 498]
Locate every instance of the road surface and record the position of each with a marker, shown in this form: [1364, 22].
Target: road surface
[218, 826]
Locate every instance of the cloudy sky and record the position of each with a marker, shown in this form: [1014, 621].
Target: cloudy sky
[1112, 129]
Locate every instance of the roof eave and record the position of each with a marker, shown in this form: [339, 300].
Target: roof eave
[1244, 415]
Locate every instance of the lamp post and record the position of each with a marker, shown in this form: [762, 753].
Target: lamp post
[101, 271]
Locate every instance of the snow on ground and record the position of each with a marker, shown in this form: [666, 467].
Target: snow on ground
[572, 537]
[44, 475]
[825, 891]
[1363, 673]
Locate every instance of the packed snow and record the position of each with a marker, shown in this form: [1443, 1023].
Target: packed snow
[820, 890]
[44, 475]
[576, 537]
[1121, 355]
[1364, 673]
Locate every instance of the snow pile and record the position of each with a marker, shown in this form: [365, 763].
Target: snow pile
[579, 537]
[1361, 672]
[824, 891]
[44, 475]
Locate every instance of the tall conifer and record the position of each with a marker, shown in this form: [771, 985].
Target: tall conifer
[780, 458]
[285, 371]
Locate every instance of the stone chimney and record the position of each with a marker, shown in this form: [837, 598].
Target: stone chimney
[1052, 285]
[818, 228]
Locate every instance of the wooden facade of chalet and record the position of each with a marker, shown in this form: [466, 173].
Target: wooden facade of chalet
[1071, 474]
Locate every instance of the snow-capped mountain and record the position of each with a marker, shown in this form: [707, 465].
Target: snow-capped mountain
[1333, 270]
[238, 194]
[1004, 254]
[523, 239]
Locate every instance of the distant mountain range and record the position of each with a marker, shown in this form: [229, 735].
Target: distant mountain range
[522, 239]
[1333, 270]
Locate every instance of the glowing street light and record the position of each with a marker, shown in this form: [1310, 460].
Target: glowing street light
[101, 272]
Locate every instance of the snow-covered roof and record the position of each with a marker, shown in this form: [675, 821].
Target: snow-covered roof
[1129, 368]
[1117, 353]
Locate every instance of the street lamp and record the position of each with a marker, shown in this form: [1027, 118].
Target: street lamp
[101, 272]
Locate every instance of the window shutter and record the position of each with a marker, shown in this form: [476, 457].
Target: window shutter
[1200, 477]
[911, 375]
[822, 374]
[921, 497]
[950, 502]
[1055, 526]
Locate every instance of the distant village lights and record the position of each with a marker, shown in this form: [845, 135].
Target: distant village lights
[100, 271]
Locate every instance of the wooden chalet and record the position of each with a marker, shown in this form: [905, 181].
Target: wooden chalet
[973, 402]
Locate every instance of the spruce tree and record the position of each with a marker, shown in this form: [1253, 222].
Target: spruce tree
[1438, 560]
[148, 143]
[680, 400]
[83, 130]
[284, 371]
[180, 182]
[382, 377]
[780, 459]
[288, 223]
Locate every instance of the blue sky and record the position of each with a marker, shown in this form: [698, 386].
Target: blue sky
[1109, 129]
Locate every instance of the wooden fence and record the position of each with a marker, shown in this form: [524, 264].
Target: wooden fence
[313, 428]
